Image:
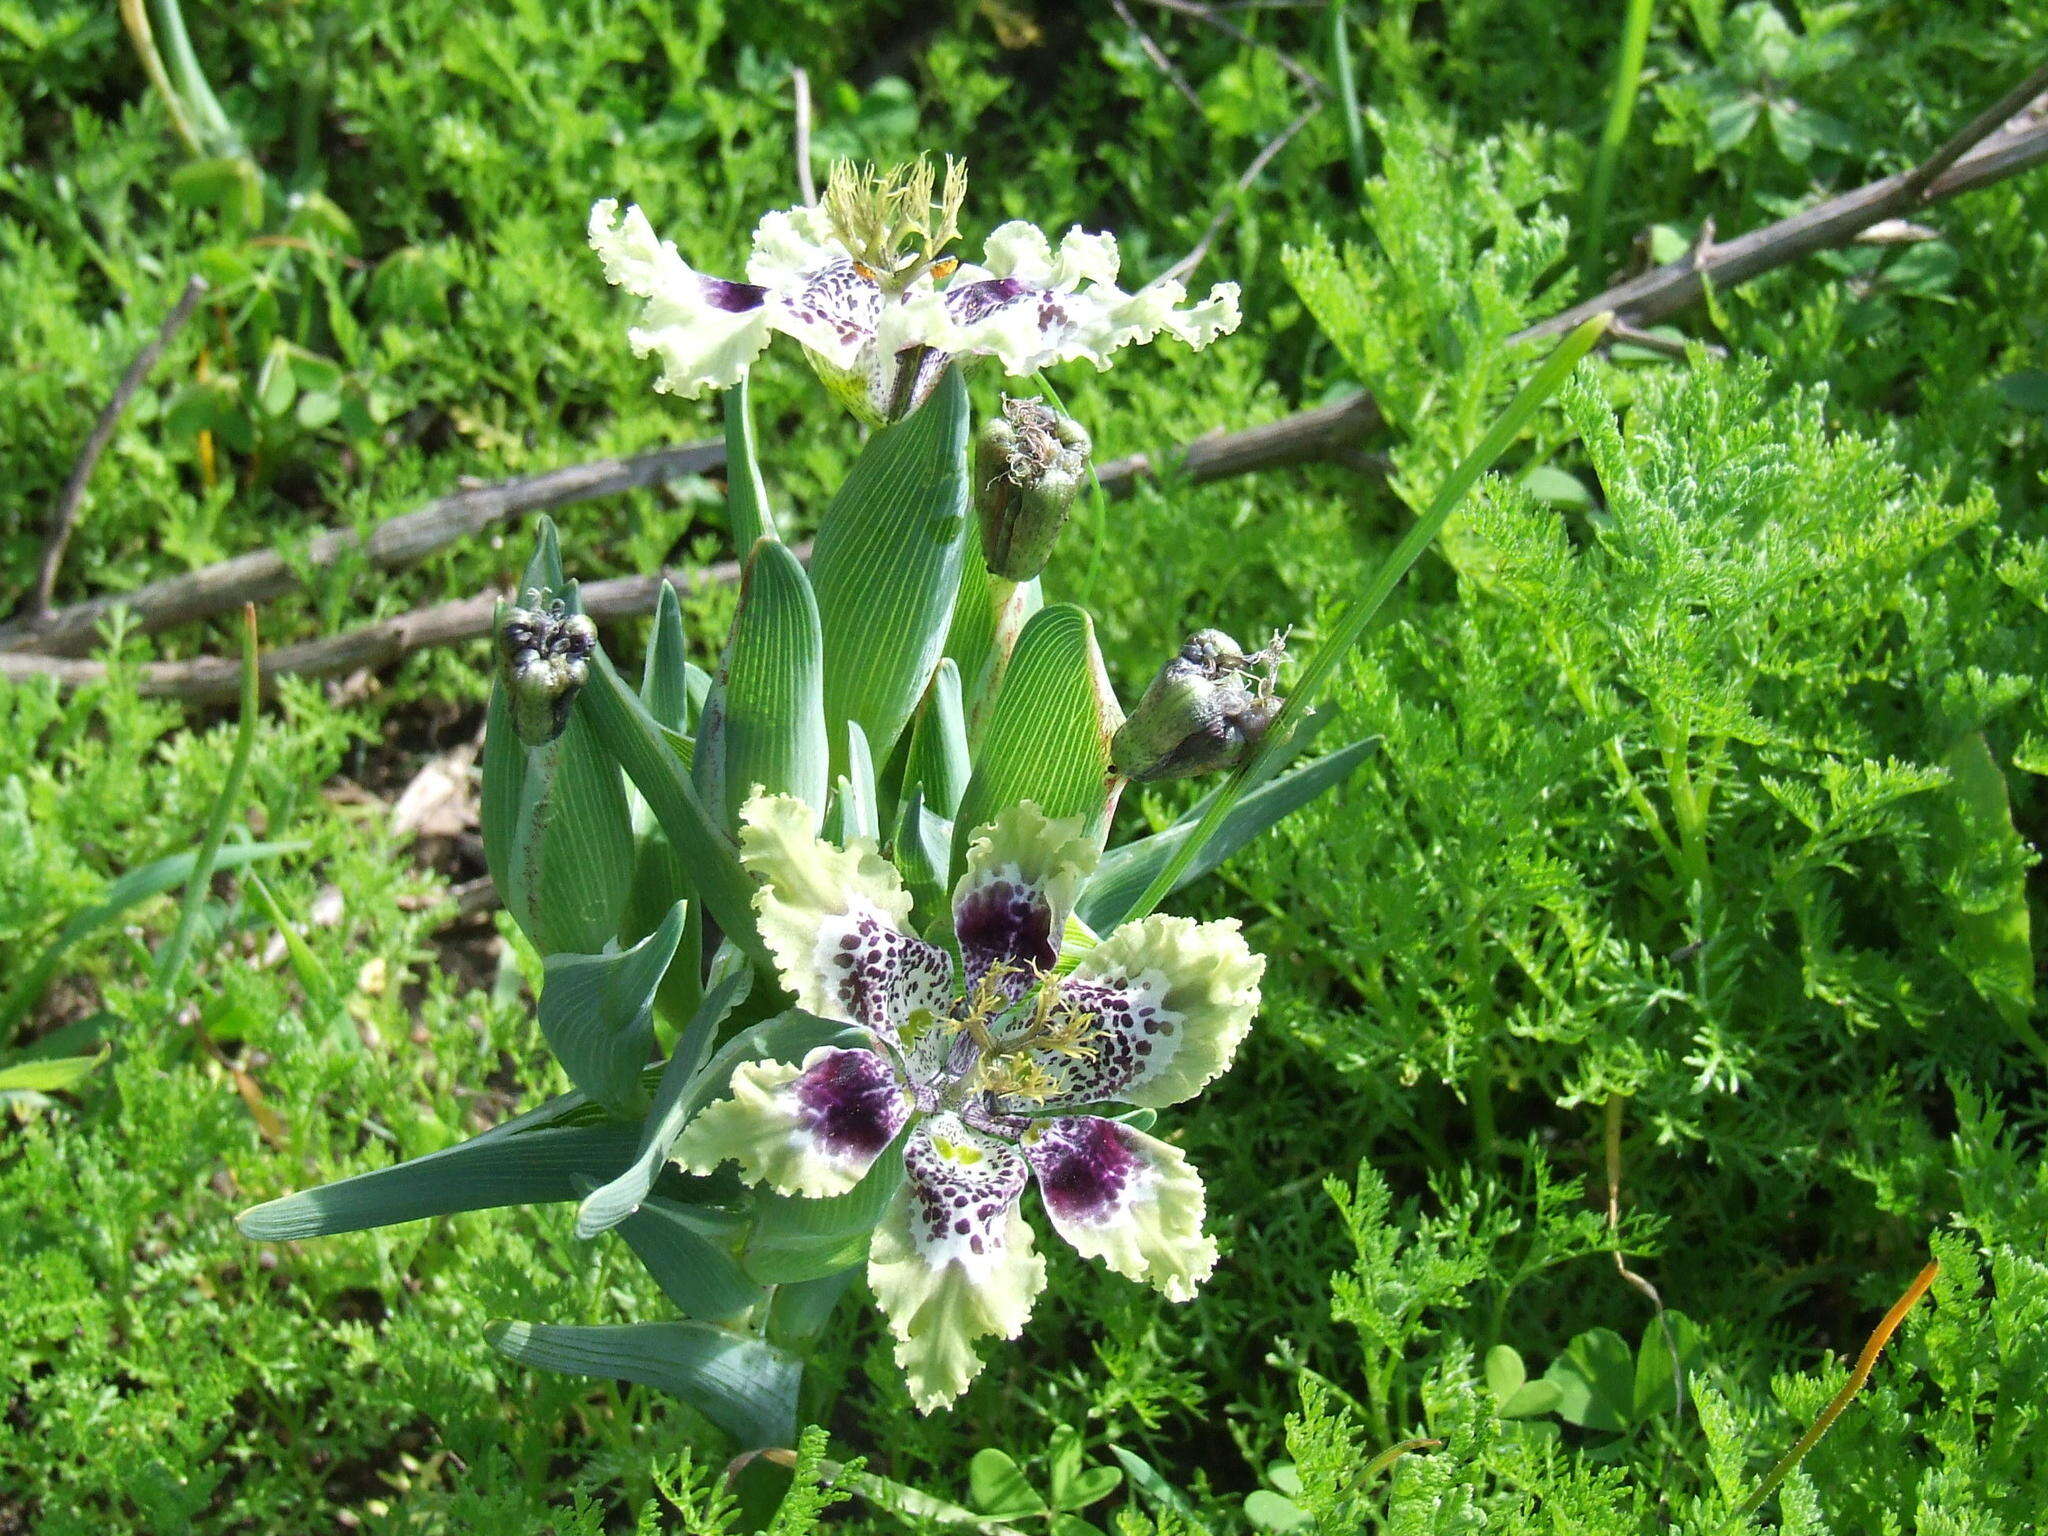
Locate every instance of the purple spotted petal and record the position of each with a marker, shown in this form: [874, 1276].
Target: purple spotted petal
[969, 302]
[1125, 1198]
[879, 974]
[1132, 1034]
[962, 1187]
[835, 303]
[733, 298]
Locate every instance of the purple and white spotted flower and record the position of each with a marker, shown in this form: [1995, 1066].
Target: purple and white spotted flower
[976, 1078]
[863, 282]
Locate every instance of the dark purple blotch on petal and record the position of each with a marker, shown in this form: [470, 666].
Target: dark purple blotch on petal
[1005, 920]
[733, 298]
[851, 1102]
[1083, 1165]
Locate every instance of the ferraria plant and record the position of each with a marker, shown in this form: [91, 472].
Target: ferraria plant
[835, 956]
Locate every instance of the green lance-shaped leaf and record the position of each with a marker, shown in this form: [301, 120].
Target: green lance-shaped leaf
[765, 720]
[671, 690]
[886, 568]
[745, 1387]
[621, 723]
[530, 1167]
[1359, 614]
[674, 1104]
[746, 496]
[1048, 734]
[921, 848]
[939, 762]
[51, 1075]
[597, 1012]
[137, 886]
[798, 1239]
[1124, 873]
[558, 833]
[687, 1251]
[670, 686]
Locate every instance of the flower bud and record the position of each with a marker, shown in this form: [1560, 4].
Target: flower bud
[546, 652]
[1204, 713]
[1028, 466]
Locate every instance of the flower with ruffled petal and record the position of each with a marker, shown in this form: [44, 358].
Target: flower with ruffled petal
[862, 280]
[977, 1076]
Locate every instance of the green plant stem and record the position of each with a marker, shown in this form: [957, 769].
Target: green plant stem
[1687, 812]
[1352, 624]
[216, 129]
[1347, 93]
[1872, 1347]
[170, 963]
[1621, 105]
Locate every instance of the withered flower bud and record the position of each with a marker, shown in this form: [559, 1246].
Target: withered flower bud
[1029, 463]
[546, 652]
[1205, 711]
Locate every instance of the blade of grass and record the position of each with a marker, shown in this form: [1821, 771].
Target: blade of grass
[1347, 93]
[1621, 106]
[171, 962]
[1872, 1348]
[1353, 622]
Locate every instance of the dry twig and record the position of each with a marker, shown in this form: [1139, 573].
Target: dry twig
[1319, 434]
[1206, 14]
[1156, 54]
[263, 574]
[1988, 149]
[1958, 166]
[64, 517]
[1187, 264]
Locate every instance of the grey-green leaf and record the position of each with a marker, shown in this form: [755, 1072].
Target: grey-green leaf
[597, 1012]
[746, 496]
[799, 1239]
[745, 1387]
[768, 701]
[886, 567]
[694, 1271]
[1124, 873]
[673, 1106]
[533, 1167]
[1048, 734]
[939, 763]
[621, 723]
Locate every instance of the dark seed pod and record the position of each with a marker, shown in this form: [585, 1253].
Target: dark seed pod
[546, 653]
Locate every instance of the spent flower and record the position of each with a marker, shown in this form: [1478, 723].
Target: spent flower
[976, 1076]
[1029, 463]
[864, 282]
[1204, 712]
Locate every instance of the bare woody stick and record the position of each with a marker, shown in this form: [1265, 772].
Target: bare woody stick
[1326, 432]
[1975, 157]
[263, 574]
[64, 517]
[1311, 435]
